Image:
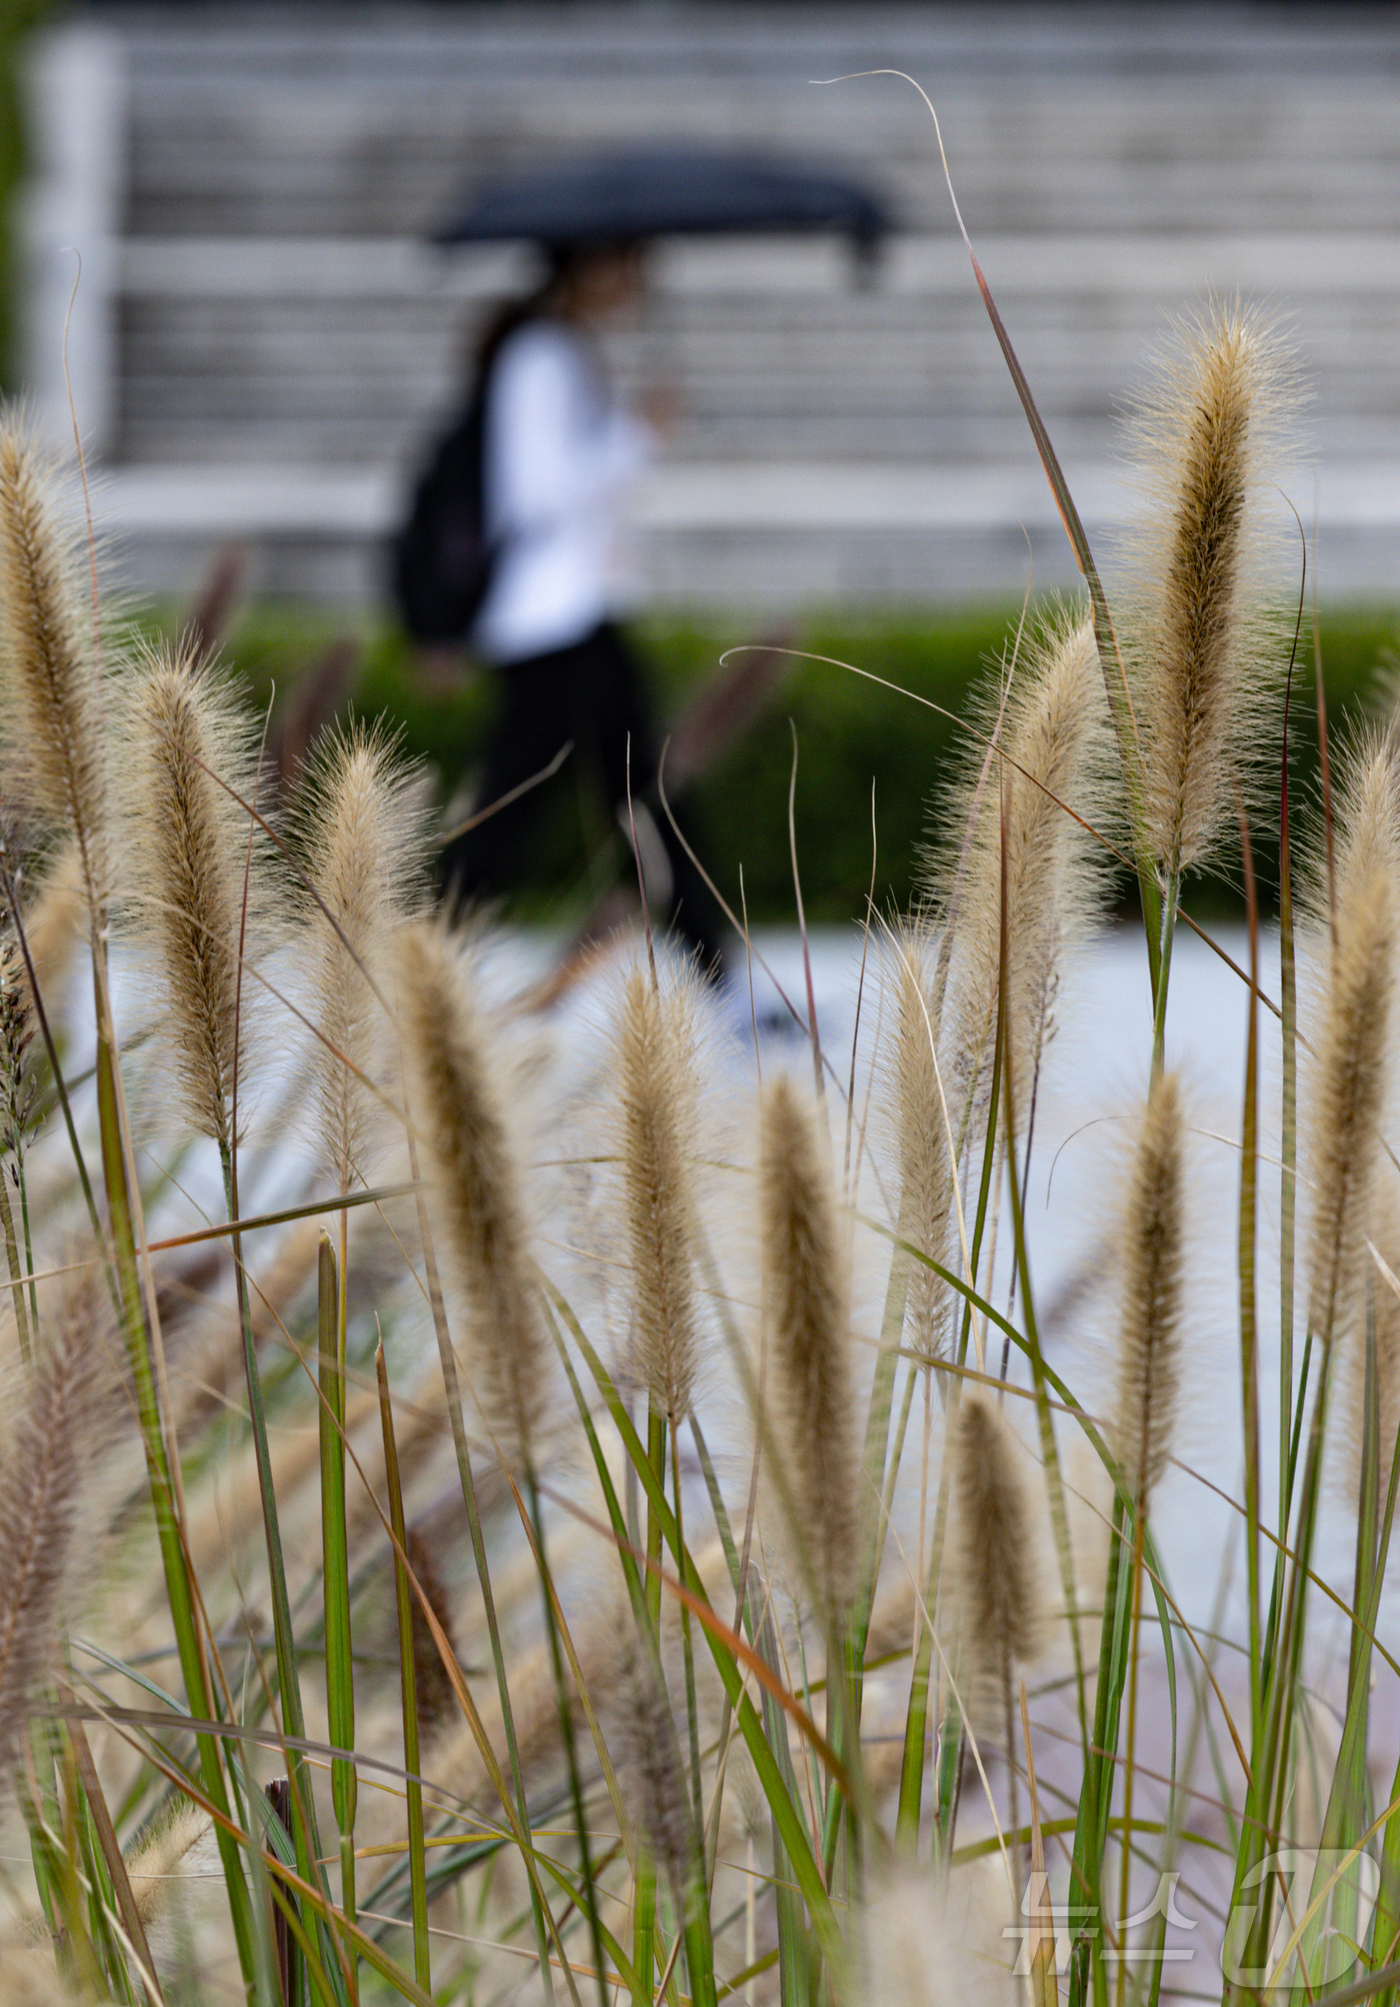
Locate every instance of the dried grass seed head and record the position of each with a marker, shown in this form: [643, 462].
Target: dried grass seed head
[1376, 1303]
[1020, 848]
[470, 1167]
[923, 1133]
[996, 1557]
[1350, 1067]
[1198, 632]
[19, 1084]
[656, 1062]
[54, 1438]
[646, 1751]
[921, 1940]
[809, 1381]
[358, 818]
[1152, 1251]
[50, 673]
[200, 892]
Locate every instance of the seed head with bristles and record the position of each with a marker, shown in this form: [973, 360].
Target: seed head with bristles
[997, 1580]
[805, 1300]
[651, 1770]
[50, 677]
[924, 1136]
[18, 1080]
[198, 885]
[1025, 872]
[436, 1696]
[55, 915]
[1199, 639]
[1376, 1303]
[659, 1094]
[358, 817]
[469, 1164]
[51, 1446]
[1153, 1235]
[1351, 1044]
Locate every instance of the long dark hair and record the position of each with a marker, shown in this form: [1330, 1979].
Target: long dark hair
[562, 261]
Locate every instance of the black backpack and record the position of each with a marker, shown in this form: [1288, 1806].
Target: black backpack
[442, 560]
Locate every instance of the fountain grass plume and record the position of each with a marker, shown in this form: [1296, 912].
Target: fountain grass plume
[659, 1096]
[53, 1440]
[804, 1288]
[50, 674]
[433, 1689]
[997, 1586]
[650, 1767]
[459, 1118]
[1383, 1235]
[187, 844]
[921, 1129]
[1152, 1252]
[357, 817]
[1351, 1045]
[1201, 643]
[1050, 727]
[54, 910]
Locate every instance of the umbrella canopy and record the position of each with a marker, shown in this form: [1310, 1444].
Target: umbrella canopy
[657, 191]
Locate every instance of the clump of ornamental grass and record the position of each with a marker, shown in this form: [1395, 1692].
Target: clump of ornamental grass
[1199, 640]
[195, 872]
[1025, 871]
[51, 697]
[55, 1433]
[655, 1064]
[460, 1124]
[1351, 1043]
[924, 1135]
[996, 1573]
[808, 1336]
[1152, 1253]
[358, 819]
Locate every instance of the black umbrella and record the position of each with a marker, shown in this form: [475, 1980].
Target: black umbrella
[657, 191]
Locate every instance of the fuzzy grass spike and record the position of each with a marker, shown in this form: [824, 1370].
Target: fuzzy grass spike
[805, 1296]
[1351, 1065]
[659, 1093]
[52, 685]
[1022, 848]
[188, 841]
[460, 1121]
[998, 1590]
[1154, 1254]
[358, 819]
[1201, 648]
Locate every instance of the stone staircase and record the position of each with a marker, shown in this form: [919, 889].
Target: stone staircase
[262, 337]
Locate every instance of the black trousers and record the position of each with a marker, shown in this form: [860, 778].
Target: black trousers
[591, 694]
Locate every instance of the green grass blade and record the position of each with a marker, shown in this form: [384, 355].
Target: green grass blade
[335, 1577]
[408, 1685]
[785, 1811]
[179, 1588]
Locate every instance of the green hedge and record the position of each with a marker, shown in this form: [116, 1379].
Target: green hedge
[850, 732]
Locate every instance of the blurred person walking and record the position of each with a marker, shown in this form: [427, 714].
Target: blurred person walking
[524, 499]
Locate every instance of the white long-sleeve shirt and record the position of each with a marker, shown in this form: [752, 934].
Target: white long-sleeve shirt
[558, 457]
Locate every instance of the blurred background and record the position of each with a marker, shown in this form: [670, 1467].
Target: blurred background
[263, 338]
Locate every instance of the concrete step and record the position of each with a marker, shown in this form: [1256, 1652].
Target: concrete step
[262, 339]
